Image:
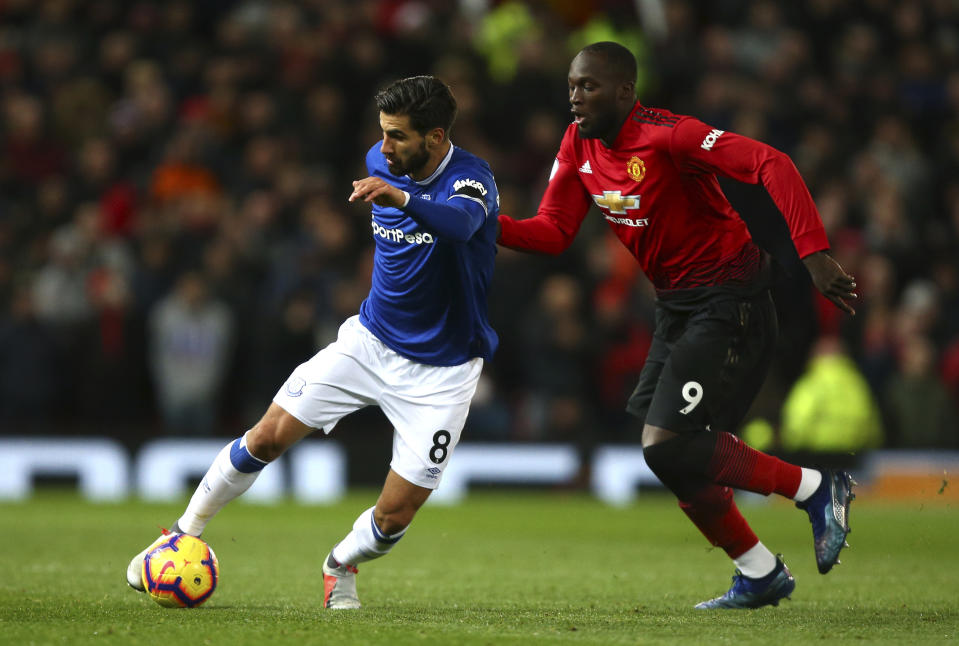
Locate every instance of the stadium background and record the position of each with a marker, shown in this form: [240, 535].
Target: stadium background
[180, 170]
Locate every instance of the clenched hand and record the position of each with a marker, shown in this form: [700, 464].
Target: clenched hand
[374, 189]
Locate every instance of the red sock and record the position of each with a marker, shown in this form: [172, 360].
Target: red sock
[734, 464]
[713, 510]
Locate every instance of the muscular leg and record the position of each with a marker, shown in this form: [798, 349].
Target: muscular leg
[701, 467]
[378, 528]
[398, 503]
[276, 432]
[723, 459]
[237, 466]
[710, 506]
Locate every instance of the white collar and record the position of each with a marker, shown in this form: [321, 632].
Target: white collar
[439, 169]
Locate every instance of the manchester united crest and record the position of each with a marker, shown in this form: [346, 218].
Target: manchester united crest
[636, 169]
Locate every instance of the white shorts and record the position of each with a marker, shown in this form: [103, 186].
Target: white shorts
[427, 405]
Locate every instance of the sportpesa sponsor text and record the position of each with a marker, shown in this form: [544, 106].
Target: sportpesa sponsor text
[398, 235]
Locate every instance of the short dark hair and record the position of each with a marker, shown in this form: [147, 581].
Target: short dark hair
[619, 59]
[427, 100]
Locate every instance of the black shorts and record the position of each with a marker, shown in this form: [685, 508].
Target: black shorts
[709, 356]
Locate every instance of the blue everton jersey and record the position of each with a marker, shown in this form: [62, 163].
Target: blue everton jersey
[433, 262]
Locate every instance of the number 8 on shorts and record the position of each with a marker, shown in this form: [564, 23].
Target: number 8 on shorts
[441, 440]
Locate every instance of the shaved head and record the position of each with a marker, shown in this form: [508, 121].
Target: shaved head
[620, 62]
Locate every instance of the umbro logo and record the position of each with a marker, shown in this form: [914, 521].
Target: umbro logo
[585, 168]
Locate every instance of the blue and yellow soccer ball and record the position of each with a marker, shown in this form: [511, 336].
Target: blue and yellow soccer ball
[180, 572]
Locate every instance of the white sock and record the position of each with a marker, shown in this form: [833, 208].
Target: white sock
[366, 542]
[811, 479]
[233, 471]
[756, 562]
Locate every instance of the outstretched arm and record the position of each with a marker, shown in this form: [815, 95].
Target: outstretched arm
[830, 279]
[557, 220]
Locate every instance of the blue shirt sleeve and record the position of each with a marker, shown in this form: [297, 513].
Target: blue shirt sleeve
[456, 220]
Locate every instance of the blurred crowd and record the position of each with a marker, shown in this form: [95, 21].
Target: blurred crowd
[175, 234]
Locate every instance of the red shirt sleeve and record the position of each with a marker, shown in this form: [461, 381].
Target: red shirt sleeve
[696, 146]
[560, 212]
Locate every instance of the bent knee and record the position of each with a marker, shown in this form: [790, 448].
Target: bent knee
[276, 432]
[262, 443]
[655, 435]
[390, 524]
[396, 519]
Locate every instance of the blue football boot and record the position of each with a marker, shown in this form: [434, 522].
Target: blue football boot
[755, 593]
[828, 510]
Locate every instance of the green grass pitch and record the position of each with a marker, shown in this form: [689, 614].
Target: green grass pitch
[504, 567]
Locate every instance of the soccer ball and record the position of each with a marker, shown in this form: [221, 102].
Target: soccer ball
[180, 572]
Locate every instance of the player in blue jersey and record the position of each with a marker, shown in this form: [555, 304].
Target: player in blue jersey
[417, 347]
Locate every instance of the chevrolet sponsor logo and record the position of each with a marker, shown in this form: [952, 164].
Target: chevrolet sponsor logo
[617, 203]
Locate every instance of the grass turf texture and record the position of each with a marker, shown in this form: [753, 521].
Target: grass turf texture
[502, 568]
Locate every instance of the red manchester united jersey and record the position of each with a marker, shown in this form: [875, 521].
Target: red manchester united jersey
[657, 189]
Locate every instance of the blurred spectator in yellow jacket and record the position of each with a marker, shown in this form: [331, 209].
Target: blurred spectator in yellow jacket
[830, 409]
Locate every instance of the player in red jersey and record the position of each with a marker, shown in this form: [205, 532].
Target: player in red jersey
[652, 174]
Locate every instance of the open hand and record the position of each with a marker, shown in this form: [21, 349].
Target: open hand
[830, 279]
